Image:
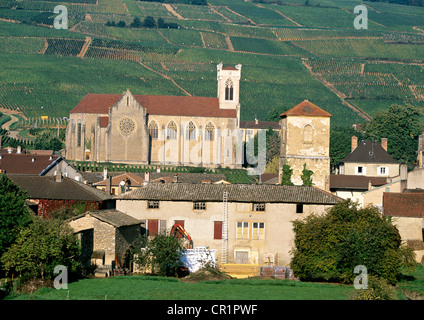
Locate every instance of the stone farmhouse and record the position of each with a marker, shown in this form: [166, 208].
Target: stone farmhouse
[246, 224]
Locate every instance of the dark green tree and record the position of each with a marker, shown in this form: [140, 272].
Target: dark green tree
[149, 22]
[42, 246]
[306, 176]
[286, 175]
[48, 140]
[328, 247]
[14, 214]
[162, 254]
[401, 125]
[136, 23]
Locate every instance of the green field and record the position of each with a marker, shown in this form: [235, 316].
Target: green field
[289, 53]
[159, 288]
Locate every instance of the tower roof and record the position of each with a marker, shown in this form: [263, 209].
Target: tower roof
[306, 109]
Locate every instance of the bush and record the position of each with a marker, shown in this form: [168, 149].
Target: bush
[162, 254]
[328, 247]
[378, 289]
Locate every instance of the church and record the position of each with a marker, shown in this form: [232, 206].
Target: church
[159, 129]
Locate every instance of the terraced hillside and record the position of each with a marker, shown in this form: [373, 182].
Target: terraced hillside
[290, 51]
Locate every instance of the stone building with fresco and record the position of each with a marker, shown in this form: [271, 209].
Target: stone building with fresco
[157, 129]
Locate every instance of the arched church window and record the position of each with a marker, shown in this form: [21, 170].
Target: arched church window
[153, 130]
[307, 133]
[172, 131]
[209, 132]
[191, 131]
[79, 125]
[229, 90]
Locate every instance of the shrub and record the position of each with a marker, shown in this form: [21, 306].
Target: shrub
[162, 254]
[328, 247]
[377, 289]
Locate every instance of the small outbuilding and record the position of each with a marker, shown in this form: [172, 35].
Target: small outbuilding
[106, 237]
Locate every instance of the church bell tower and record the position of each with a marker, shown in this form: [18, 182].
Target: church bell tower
[228, 86]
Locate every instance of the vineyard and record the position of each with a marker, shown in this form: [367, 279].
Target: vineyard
[289, 53]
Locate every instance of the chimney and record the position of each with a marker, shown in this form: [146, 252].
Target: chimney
[19, 150]
[147, 176]
[256, 121]
[354, 143]
[384, 143]
[105, 173]
[108, 185]
[59, 177]
[33, 159]
[175, 178]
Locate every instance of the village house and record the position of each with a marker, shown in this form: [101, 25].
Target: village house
[246, 224]
[406, 210]
[48, 193]
[367, 172]
[106, 237]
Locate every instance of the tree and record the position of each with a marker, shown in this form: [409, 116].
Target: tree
[161, 23]
[286, 175]
[47, 140]
[42, 246]
[162, 254]
[136, 23]
[328, 247]
[149, 22]
[306, 176]
[14, 214]
[121, 24]
[401, 125]
[340, 144]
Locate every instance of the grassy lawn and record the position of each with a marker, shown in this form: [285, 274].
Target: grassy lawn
[141, 287]
[158, 288]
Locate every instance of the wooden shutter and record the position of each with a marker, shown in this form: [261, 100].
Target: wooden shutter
[217, 230]
[153, 227]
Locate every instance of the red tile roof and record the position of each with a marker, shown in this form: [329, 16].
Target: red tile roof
[306, 108]
[25, 163]
[158, 105]
[403, 204]
[104, 122]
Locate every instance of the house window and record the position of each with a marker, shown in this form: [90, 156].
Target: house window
[242, 231]
[199, 205]
[172, 131]
[152, 204]
[259, 207]
[383, 171]
[299, 208]
[191, 131]
[209, 132]
[229, 90]
[217, 230]
[258, 230]
[360, 170]
[153, 130]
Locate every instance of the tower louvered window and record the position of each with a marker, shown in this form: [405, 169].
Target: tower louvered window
[229, 90]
